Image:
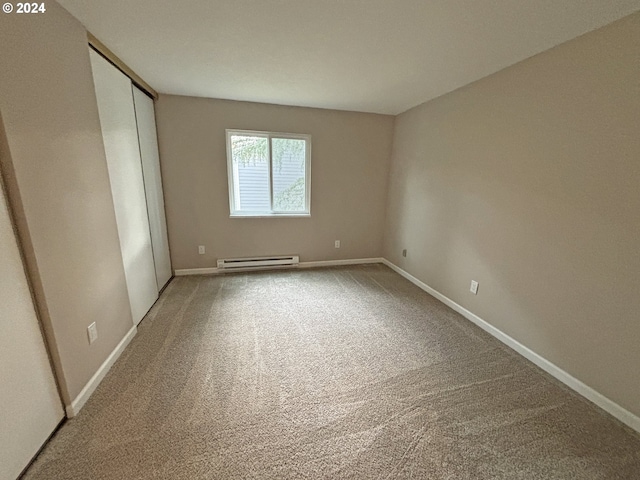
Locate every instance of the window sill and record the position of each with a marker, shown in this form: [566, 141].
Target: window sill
[271, 215]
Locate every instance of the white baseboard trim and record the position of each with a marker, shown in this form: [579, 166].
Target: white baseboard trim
[322, 263]
[337, 263]
[587, 392]
[77, 404]
[182, 272]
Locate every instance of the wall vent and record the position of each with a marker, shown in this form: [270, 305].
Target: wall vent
[258, 262]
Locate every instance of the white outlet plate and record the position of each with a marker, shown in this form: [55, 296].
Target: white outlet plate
[337, 243]
[201, 249]
[474, 287]
[92, 332]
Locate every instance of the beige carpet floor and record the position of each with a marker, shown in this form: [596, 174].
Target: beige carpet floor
[332, 373]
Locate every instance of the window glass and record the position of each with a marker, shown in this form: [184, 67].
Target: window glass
[268, 173]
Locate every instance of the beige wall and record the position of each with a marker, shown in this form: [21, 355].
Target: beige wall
[58, 183]
[528, 181]
[349, 170]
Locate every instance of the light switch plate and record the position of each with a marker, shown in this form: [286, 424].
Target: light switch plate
[92, 332]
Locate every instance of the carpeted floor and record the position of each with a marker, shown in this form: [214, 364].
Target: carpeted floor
[332, 373]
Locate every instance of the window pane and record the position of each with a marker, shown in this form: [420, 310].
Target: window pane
[288, 174]
[251, 173]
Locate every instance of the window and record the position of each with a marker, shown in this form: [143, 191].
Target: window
[269, 174]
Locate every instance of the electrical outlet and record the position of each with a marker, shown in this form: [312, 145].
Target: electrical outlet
[201, 249]
[404, 252]
[337, 243]
[474, 287]
[92, 332]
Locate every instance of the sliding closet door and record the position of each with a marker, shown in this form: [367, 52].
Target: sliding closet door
[118, 122]
[30, 408]
[145, 117]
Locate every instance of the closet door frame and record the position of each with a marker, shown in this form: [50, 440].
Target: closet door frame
[32, 407]
[150, 156]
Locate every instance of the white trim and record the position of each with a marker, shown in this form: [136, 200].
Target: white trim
[335, 263]
[270, 215]
[234, 187]
[183, 272]
[322, 263]
[587, 392]
[75, 407]
[222, 271]
[270, 144]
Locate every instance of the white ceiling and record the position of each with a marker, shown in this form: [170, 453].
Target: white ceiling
[382, 56]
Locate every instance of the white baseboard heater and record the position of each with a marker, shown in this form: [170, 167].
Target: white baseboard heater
[258, 262]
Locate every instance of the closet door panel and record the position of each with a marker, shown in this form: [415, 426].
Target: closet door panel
[30, 408]
[147, 135]
[120, 133]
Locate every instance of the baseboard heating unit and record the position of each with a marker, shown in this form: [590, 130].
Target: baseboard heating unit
[258, 262]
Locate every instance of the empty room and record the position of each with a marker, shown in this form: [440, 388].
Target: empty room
[320, 239]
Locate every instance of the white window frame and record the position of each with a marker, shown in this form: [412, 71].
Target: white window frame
[232, 172]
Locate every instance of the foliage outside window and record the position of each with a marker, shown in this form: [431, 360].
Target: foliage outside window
[269, 173]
